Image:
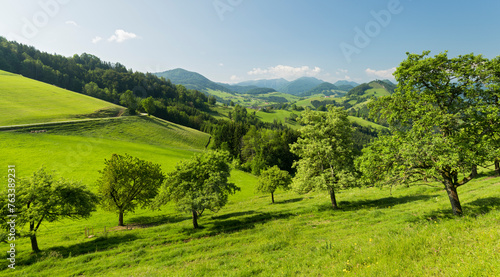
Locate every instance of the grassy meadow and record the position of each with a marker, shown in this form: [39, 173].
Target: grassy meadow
[389, 231]
[78, 149]
[26, 101]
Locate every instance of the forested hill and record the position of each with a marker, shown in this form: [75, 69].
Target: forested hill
[112, 82]
[191, 80]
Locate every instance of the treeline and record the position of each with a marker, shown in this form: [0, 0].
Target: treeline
[89, 75]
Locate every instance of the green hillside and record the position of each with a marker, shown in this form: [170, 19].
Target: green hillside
[23, 100]
[77, 150]
[301, 85]
[191, 80]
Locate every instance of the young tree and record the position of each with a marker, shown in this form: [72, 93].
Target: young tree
[149, 105]
[43, 197]
[273, 178]
[129, 100]
[441, 117]
[198, 184]
[127, 182]
[326, 152]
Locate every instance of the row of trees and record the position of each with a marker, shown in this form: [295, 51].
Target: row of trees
[125, 183]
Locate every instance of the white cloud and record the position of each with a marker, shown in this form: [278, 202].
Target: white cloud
[385, 74]
[285, 71]
[221, 64]
[96, 39]
[341, 71]
[234, 78]
[121, 36]
[71, 22]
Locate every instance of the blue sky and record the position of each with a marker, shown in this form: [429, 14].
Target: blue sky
[238, 40]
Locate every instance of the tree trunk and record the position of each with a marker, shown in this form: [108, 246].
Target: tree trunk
[34, 243]
[332, 197]
[474, 171]
[497, 166]
[120, 219]
[451, 189]
[272, 197]
[195, 219]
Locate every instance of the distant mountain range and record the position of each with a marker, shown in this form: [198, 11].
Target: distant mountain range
[303, 86]
[276, 84]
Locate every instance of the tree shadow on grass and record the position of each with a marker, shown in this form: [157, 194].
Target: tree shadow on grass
[231, 225]
[481, 206]
[161, 123]
[474, 208]
[289, 201]
[229, 215]
[151, 221]
[90, 246]
[377, 203]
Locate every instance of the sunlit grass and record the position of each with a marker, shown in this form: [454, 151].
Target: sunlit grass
[23, 101]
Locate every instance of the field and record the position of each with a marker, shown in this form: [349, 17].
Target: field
[26, 101]
[78, 150]
[407, 233]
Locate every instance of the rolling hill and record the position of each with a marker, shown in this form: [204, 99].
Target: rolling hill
[301, 85]
[191, 80]
[23, 101]
[376, 88]
[326, 89]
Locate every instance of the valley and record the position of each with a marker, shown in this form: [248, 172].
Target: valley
[380, 227]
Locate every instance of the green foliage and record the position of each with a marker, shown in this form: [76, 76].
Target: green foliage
[326, 152]
[129, 100]
[149, 105]
[126, 182]
[266, 148]
[438, 116]
[273, 178]
[198, 184]
[43, 197]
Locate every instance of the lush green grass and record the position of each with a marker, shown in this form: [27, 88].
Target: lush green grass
[377, 92]
[306, 102]
[366, 123]
[23, 100]
[278, 115]
[408, 233]
[78, 150]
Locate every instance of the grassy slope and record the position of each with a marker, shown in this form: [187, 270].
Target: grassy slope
[408, 233]
[78, 150]
[23, 100]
